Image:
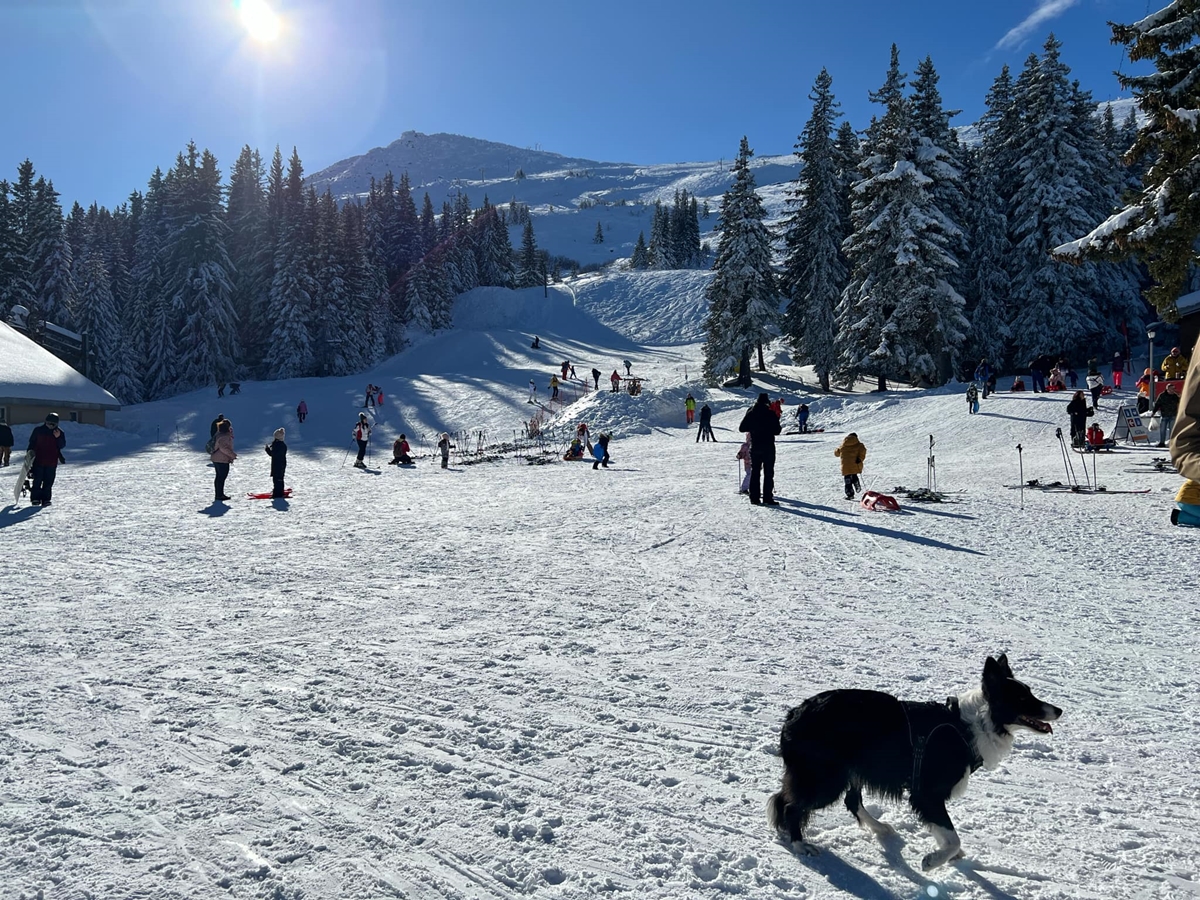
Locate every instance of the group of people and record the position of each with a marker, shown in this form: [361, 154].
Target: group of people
[235, 387]
[221, 453]
[374, 397]
[582, 440]
[567, 370]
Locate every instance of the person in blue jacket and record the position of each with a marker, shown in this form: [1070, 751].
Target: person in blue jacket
[983, 374]
[802, 418]
[600, 452]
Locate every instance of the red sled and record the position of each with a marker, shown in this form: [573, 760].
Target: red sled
[878, 501]
[287, 492]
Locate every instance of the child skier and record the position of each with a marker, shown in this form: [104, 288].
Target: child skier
[972, 398]
[852, 452]
[277, 450]
[744, 455]
[302, 411]
[444, 446]
[400, 451]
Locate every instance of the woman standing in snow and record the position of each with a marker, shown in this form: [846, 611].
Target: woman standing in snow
[277, 450]
[361, 434]
[222, 456]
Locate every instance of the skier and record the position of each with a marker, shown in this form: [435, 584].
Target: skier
[1174, 365]
[362, 434]
[444, 446]
[596, 373]
[1095, 383]
[46, 442]
[302, 411]
[574, 377]
[6, 444]
[1079, 412]
[852, 452]
[536, 343]
[600, 452]
[222, 456]
[554, 388]
[532, 391]
[983, 372]
[400, 450]
[369, 400]
[616, 381]
[762, 425]
[566, 364]
[277, 450]
[627, 364]
[705, 430]
[1167, 408]
[1118, 369]
[802, 418]
[744, 455]
[972, 398]
[689, 408]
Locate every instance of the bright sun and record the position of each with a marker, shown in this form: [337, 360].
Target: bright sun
[260, 21]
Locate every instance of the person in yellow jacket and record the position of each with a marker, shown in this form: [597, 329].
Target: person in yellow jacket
[553, 387]
[852, 452]
[1174, 365]
[1187, 505]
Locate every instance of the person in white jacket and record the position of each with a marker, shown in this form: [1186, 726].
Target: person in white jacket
[362, 434]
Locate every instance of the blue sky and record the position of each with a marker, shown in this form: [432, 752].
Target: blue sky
[99, 92]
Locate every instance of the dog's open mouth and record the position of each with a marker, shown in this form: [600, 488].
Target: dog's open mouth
[1035, 724]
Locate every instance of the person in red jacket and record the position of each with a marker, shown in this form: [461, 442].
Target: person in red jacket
[46, 442]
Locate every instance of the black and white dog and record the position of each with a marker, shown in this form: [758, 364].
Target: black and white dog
[847, 740]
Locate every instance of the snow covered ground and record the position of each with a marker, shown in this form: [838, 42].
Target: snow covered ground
[507, 680]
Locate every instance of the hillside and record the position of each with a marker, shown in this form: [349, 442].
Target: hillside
[503, 680]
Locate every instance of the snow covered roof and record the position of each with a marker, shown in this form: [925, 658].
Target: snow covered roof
[32, 374]
[1188, 303]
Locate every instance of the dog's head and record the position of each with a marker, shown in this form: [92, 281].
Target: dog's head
[1011, 703]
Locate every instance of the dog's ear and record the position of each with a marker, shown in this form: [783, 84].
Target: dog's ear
[1003, 662]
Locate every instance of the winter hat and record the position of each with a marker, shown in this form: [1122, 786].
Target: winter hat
[279, 434]
[362, 416]
[52, 419]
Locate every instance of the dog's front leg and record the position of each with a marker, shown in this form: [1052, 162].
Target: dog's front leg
[935, 816]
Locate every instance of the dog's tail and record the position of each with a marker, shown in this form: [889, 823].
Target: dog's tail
[775, 809]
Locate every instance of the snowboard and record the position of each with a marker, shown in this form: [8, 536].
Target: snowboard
[19, 487]
[266, 495]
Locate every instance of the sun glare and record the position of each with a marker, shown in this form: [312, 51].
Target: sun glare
[260, 20]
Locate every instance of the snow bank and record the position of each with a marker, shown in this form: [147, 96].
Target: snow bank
[660, 308]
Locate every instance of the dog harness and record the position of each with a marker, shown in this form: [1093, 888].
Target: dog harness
[918, 744]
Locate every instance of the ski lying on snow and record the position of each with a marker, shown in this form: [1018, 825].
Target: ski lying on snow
[1059, 488]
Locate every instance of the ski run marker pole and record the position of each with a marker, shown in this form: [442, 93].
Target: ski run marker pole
[1021, 465]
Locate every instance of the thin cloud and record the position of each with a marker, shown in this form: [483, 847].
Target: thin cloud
[1045, 11]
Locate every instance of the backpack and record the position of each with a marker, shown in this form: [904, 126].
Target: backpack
[211, 446]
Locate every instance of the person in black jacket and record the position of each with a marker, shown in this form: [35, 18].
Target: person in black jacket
[705, 430]
[1166, 406]
[762, 425]
[47, 442]
[1079, 412]
[6, 443]
[277, 450]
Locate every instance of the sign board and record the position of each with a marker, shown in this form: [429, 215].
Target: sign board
[1130, 427]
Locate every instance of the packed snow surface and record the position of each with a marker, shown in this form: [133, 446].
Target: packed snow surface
[503, 679]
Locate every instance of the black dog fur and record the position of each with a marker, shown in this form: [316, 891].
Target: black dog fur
[842, 741]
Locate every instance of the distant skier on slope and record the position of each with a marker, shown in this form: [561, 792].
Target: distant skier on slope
[361, 434]
[689, 408]
[596, 373]
[302, 411]
[554, 388]
[616, 381]
[400, 451]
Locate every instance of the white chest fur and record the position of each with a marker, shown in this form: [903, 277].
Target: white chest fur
[991, 747]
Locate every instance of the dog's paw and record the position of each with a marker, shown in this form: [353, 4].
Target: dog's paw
[806, 848]
[932, 861]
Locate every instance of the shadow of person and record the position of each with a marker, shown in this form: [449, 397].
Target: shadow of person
[15, 515]
[216, 509]
[280, 504]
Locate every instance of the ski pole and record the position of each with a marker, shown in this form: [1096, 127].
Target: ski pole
[1021, 465]
[347, 456]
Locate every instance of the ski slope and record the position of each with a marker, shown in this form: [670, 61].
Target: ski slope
[505, 680]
